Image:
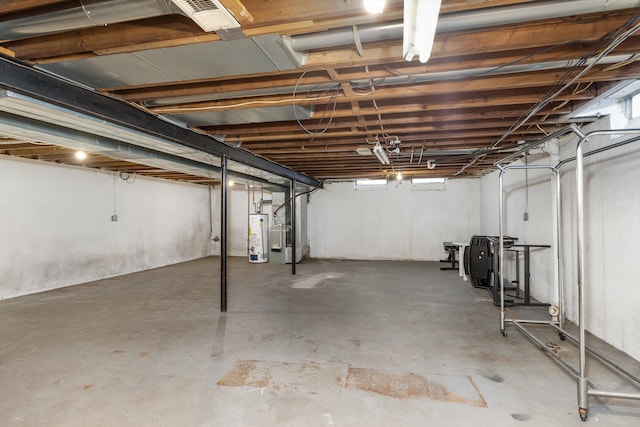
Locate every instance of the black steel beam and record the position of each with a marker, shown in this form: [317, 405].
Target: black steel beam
[37, 84]
[48, 129]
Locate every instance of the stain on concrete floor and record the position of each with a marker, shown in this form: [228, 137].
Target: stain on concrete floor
[407, 385]
[313, 378]
[246, 374]
[309, 378]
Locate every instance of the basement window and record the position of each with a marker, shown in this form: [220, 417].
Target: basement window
[428, 184]
[371, 184]
[635, 106]
[428, 180]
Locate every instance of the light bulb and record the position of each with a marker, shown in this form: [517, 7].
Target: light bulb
[81, 155]
[399, 176]
[374, 6]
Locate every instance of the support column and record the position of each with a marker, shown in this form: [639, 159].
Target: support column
[223, 236]
[292, 192]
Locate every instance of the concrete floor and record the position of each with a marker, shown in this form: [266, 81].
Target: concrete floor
[342, 343]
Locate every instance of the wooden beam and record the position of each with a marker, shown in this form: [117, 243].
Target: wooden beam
[511, 81]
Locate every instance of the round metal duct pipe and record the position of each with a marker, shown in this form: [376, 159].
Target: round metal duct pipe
[86, 13]
[472, 19]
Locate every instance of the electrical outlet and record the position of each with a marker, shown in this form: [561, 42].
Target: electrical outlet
[114, 217]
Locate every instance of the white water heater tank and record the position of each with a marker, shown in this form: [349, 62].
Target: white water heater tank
[258, 238]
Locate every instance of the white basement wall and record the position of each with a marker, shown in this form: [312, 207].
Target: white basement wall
[612, 199]
[56, 228]
[237, 220]
[394, 223]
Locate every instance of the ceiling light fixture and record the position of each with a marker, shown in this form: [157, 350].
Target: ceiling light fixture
[399, 176]
[374, 6]
[380, 154]
[81, 155]
[419, 28]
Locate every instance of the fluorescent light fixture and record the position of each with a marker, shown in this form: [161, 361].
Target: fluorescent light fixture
[419, 29]
[363, 151]
[428, 180]
[374, 6]
[371, 182]
[380, 154]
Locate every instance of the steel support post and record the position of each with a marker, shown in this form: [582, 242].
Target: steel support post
[292, 192]
[501, 249]
[583, 400]
[223, 236]
[559, 249]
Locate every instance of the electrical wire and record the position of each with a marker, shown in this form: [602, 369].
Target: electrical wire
[129, 177]
[358, 89]
[617, 65]
[286, 202]
[614, 39]
[542, 130]
[174, 110]
[333, 97]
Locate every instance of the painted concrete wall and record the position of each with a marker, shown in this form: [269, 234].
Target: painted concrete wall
[56, 228]
[529, 193]
[612, 201]
[242, 202]
[396, 222]
[239, 201]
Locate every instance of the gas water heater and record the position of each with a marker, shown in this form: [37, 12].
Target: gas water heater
[258, 238]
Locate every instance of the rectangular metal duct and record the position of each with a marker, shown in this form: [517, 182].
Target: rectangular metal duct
[246, 116]
[260, 54]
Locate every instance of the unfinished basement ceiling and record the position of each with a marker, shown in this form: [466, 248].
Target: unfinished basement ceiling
[286, 85]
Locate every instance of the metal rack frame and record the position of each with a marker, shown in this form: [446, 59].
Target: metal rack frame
[585, 387]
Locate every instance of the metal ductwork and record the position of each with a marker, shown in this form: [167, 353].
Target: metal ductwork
[30, 130]
[473, 19]
[208, 14]
[86, 13]
[490, 71]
